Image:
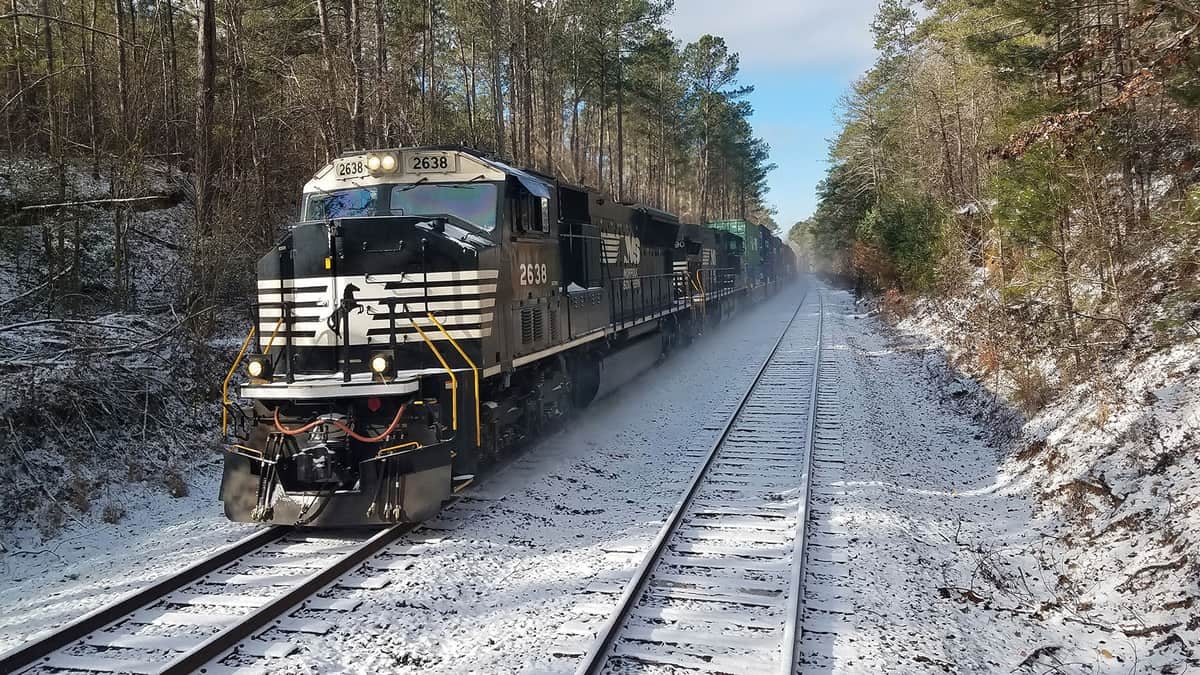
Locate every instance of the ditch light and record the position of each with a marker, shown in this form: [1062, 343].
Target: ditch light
[381, 365]
[259, 368]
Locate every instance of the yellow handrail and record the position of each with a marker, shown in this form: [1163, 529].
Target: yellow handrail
[225, 385]
[453, 379]
[396, 448]
[474, 370]
[275, 332]
[703, 296]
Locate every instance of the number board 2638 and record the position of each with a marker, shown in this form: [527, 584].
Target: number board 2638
[431, 162]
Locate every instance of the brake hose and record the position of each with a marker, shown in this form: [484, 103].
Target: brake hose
[349, 432]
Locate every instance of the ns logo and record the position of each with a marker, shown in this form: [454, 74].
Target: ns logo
[631, 250]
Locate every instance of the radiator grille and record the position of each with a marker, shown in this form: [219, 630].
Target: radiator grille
[533, 325]
[527, 325]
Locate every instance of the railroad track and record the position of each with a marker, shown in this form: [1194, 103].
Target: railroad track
[826, 611]
[722, 587]
[221, 607]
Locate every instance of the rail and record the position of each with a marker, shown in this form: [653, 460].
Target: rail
[111, 625]
[31, 652]
[603, 647]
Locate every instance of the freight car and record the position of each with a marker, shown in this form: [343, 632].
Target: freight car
[434, 307]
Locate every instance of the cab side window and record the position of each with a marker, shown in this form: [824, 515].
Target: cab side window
[529, 214]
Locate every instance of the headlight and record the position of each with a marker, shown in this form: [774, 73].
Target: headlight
[373, 162]
[388, 163]
[258, 367]
[381, 364]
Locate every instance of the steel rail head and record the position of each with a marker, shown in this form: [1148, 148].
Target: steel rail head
[29, 653]
[792, 630]
[598, 654]
[227, 639]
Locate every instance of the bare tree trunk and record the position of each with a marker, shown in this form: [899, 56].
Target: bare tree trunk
[123, 72]
[575, 149]
[381, 55]
[497, 79]
[513, 98]
[527, 76]
[600, 124]
[1064, 285]
[432, 122]
[357, 115]
[19, 58]
[548, 113]
[620, 122]
[176, 146]
[468, 79]
[87, 53]
[54, 113]
[328, 78]
[206, 58]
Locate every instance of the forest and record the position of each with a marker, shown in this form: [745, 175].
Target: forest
[244, 100]
[1037, 159]
[152, 150]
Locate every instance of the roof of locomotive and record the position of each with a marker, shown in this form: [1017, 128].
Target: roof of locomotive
[471, 165]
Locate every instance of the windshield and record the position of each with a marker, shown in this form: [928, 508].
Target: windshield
[474, 202]
[342, 204]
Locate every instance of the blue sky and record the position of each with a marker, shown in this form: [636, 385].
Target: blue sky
[800, 56]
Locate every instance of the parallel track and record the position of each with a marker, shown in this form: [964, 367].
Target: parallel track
[722, 587]
[826, 609]
[181, 623]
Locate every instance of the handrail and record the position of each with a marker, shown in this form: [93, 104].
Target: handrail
[446, 367]
[474, 370]
[271, 341]
[225, 385]
[397, 448]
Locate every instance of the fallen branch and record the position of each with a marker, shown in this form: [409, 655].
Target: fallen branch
[46, 17]
[29, 469]
[1152, 567]
[1100, 488]
[1035, 655]
[89, 202]
[71, 322]
[963, 594]
[38, 82]
[161, 242]
[37, 288]
[125, 351]
[1146, 631]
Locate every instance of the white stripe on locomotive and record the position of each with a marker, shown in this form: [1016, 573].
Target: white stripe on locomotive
[416, 277]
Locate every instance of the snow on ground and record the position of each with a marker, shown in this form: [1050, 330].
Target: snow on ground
[956, 564]
[44, 584]
[98, 388]
[1095, 565]
[930, 517]
[582, 505]
[514, 552]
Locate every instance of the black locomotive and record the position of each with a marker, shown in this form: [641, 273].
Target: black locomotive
[435, 307]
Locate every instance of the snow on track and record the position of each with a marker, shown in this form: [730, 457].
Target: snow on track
[936, 534]
[920, 559]
[89, 564]
[502, 570]
[720, 588]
